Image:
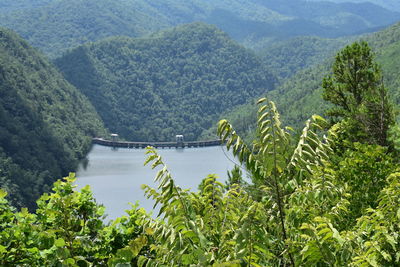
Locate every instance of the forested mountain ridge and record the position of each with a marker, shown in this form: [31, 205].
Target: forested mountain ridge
[328, 197]
[287, 57]
[325, 194]
[64, 24]
[7, 6]
[300, 96]
[388, 4]
[46, 124]
[174, 82]
[55, 26]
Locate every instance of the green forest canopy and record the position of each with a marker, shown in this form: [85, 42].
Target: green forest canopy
[325, 198]
[174, 82]
[55, 26]
[312, 200]
[46, 124]
[388, 4]
[299, 96]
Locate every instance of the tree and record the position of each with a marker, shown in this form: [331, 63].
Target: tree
[278, 170]
[359, 96]
[302, 216]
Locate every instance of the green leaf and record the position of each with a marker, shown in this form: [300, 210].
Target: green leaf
[69, 262]
[100, 210]
[187, 259]
[3, 193]
[149, 230]
[59, 242]
[125, 254]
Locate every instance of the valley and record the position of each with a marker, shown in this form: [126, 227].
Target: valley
[289, 116]
[58, 25]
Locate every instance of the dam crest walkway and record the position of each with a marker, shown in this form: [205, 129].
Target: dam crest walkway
[127, 144]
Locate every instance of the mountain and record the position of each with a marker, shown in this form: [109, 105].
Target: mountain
[54, 26]
[7, 6]
[174, 82]
[300, 96]
[286, 58]
[63, 24]
[388, 4]
[46, 124]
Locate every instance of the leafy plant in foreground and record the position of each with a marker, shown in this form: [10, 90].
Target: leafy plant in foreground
[298, 211]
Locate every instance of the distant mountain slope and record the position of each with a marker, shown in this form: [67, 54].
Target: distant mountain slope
[175, 82]
[7, 6]
[64, 24]
[388, 4]
[287, 57]
[55, 26]
[300, 96]
[46, 124]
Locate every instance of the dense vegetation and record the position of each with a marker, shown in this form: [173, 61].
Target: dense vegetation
[388, 4]
[297, 96]
[64, 24]
[327, 198]
[287, 57]
[54, 26]
[300, 96]
[46, 124]
[175, 82]
[7, 6]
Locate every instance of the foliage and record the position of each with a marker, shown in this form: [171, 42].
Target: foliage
[244, 117]
[364, 168]
[319, 199]
[388, 4]
[235, 177]
[46, 125]
[63, 231]
[378, 230]
[7, 6]
[287, 57]
[208, 228]
[278, 168]
[175, 82]
[58, 25]
[358, 94]
[300, 211]
[300, 96]
[68, 230]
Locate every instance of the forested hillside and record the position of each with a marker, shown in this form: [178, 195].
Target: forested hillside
[299, 97]
[63, 24]
[285, 58]
[174, 82]
[7, 6]
[327, 197]
[55, 26]
[388, 4]
[323, 192]
[46, 124]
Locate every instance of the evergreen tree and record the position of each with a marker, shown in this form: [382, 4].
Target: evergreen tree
[356, 89]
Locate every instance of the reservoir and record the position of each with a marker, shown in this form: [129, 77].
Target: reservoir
[115, 176]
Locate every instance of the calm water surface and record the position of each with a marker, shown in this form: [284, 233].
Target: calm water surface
[116, 176]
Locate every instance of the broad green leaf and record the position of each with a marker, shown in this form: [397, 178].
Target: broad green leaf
[3, 193]
[59, 242]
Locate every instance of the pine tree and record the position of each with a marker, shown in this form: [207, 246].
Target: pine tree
[359, 96]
